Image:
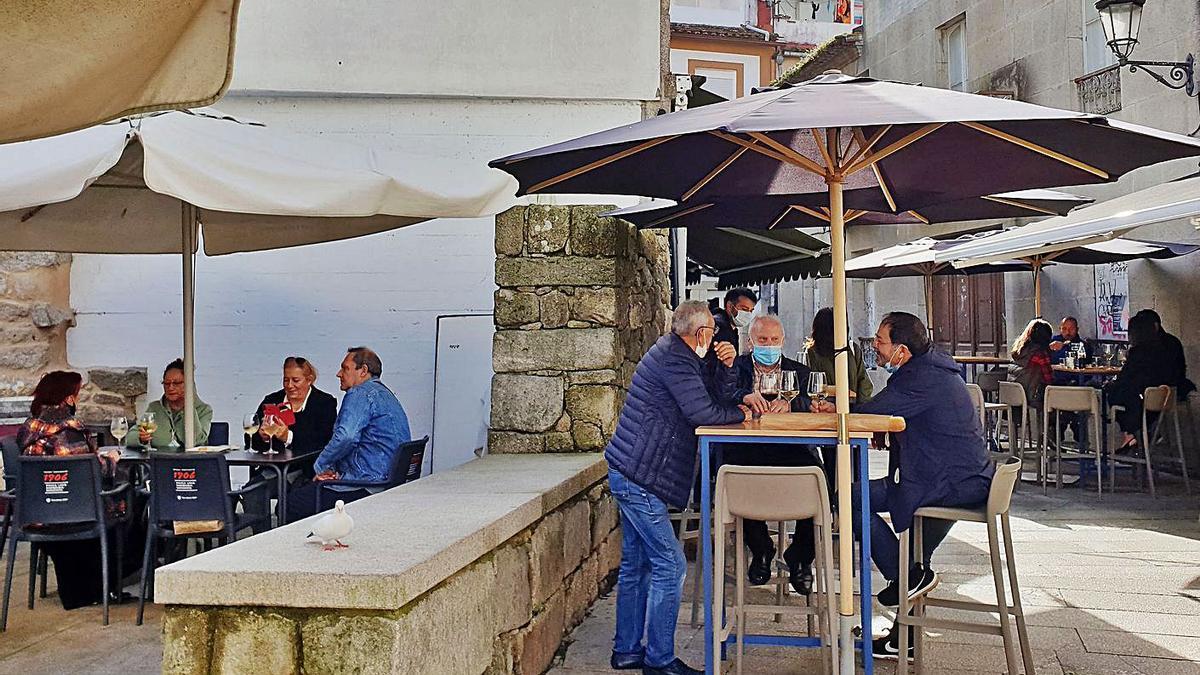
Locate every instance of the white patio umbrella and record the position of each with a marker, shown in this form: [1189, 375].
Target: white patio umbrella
[69, 65]
[147, 186]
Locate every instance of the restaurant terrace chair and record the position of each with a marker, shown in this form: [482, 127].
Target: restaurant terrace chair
[691, 514]
[62, 492]
[996, 510]
[984, 408]
[1060, 399]
[1019, 424]
[398, 474]
[193, 488]
[754, 493]
[8, 446]
[1159, 400]
[218, 433]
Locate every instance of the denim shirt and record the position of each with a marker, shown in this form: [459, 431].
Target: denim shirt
[370, 427]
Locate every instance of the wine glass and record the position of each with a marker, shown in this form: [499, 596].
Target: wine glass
[816, 386]
[119, 426]
[790, 388]
[768, 385]
[250, 427]
[146, 424]
[272, 425]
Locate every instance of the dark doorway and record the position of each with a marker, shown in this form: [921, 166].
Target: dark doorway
[968, 314]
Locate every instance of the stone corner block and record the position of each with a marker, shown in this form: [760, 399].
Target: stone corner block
[593, 235]
[247, 641]
[187, 635]
[515, 443]
[526, 402]
[566, 349]
[556, 271]
[547, 228]
[510, 231]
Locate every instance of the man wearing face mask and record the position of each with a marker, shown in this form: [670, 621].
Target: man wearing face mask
[941, 456]
[766, 356]
[734, 315]
[652, 458]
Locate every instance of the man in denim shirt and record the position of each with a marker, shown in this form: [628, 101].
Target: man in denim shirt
[370, 428]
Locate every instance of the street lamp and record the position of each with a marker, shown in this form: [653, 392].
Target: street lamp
[1122, 19]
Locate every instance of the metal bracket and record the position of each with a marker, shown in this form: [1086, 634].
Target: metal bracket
[1178, 75]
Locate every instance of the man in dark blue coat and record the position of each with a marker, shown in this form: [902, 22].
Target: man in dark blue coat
[941, 455]
[652, 461]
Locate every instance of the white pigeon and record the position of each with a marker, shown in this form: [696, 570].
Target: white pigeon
[333, 527]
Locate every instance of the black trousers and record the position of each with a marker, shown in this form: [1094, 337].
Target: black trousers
[77, 569]
[803, 545]
[301, 501]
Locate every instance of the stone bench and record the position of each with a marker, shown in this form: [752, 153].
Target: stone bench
[480, 569]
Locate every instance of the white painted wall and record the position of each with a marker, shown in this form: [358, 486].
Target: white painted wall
[386, 290]
[713, 12]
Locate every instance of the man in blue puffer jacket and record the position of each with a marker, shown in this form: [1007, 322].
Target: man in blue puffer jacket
[652, 463]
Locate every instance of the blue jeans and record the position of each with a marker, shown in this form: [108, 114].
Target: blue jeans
[650, 580]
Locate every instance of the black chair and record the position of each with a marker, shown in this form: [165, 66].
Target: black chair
[64, 492]
[193, 487]
[8, 445]
[218, 433]
[406, 466]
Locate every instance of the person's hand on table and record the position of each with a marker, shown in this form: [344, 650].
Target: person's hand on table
[725, 353]
[746, 412]
[1056, 345]
[326, 475]
[779, 406]
[822, 407]
[110, 458]
[262, 433]
[143, 436]
[756, 403]
[281, 432]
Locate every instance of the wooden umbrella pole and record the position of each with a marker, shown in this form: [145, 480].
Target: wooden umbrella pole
[929, 300]
[837, 238]
[1037, 287]
[189, 326]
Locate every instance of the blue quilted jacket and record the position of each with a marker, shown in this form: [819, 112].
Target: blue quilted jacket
[671, 394]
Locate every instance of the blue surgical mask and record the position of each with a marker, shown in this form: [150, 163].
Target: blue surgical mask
[767, 355]
[889, 366]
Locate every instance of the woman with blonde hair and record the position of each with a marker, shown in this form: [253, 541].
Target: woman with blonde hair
[307, 412]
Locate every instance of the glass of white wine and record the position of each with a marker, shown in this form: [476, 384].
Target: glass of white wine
[119, 426]
[147, 426]
[250, 426]
[790, 388]
[272, 425]
[816, 386]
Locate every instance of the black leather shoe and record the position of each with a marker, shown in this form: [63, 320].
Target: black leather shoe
[625, 661]
[675, 667]
[800, 577]
[759, 570]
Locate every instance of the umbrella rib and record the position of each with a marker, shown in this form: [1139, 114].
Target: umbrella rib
[793, 156]
[887, 194]
[780, 218]
[679, 214]
[851, 215]
[804, 209]
[601, 162]
[751, 145]
[1019, 204]
[864, 146]
[766, 263]
[1040, 149]
[771, 242]
[892, 149]
[713, 174]
[918, 216]
[816, 134]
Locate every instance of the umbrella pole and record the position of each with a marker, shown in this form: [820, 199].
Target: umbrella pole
[929, 301]
[837, 238]
[1037, 288]
[189, 321]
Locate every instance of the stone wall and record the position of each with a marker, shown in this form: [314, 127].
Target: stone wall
[505, 613]
[581, 298]
[35, 314]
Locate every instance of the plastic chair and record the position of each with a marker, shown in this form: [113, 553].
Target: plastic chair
[1059, 399]
[1019, 423]
[193, 486]
[418, 459]
[398, 474]
[996, 510]
[772, 494]
[8, 446]
[1161, 400]
[983, 408]
[63, 492]
[218, 433]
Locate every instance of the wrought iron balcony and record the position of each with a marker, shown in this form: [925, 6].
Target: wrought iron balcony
[1100, 92]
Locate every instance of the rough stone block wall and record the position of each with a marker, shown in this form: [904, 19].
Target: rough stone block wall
[35, 313]
[581, 298]
[505, 613]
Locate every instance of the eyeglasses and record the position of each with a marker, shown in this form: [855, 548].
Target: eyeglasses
[172, 384]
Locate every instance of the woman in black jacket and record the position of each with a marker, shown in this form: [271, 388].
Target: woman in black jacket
[308, 412]
[1149, 364]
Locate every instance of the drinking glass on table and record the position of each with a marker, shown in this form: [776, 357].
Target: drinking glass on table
[272, 425]
[790, 388]
[250, 427]
[119, 426]
[147, 425]
[816, 386]
[767, 385]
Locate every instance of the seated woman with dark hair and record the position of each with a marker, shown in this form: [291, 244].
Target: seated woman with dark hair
[53, 429]
[311, 411]
[168, 414]
[1031, 352]
[1150, 364]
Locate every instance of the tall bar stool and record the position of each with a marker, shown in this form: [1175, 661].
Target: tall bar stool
[1019, 423]
[1059, 399]
[996, 510]
[1159, 400]
[772, 494]
[984, 409]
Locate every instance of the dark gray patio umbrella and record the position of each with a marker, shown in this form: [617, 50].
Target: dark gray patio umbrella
[741, 258]
[917, 146]
[777, 212]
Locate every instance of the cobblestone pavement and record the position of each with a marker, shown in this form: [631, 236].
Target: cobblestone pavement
[1109, 586]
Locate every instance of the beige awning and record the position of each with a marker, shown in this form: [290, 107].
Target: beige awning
[71, 64]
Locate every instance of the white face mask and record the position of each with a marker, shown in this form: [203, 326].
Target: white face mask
[701, 350]
[742, 319]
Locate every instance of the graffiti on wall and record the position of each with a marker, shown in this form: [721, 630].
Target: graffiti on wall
[1112, 301]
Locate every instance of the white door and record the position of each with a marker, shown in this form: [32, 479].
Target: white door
[462, 381]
